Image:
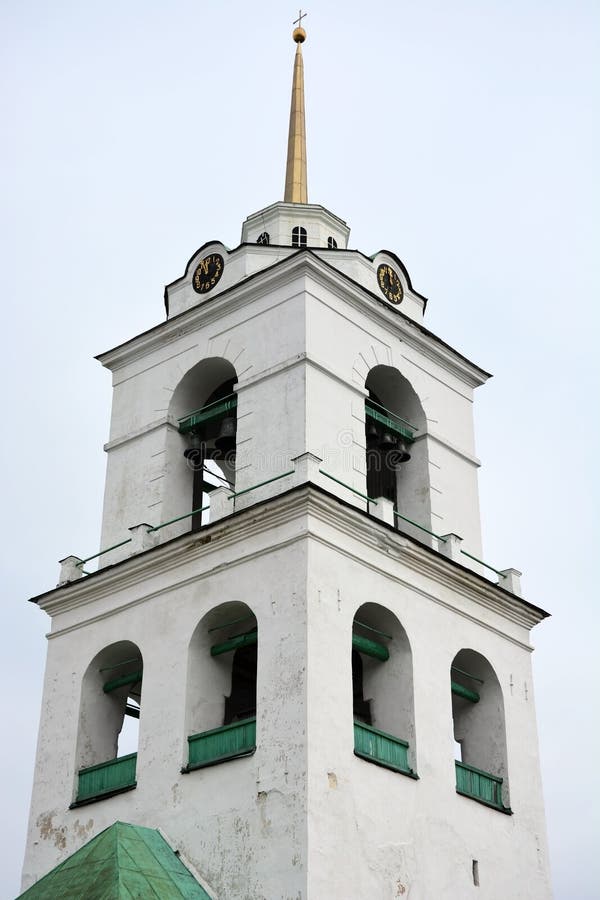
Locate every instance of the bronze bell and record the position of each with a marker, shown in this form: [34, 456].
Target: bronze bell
[402, 451]
[387, 442]
[194, 451]
[225, 441]
[372, 433]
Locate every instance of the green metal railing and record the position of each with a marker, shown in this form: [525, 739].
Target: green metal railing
[416, 524]
[128, 541]
[107, 778]
[374, 630]
[234, 494]
[206, 413]
[231, 622]
[82, 562]
[194, 512]
[260, 484]
[444, 540]
[479, 785]
[381, 748]
[482, 563]
[348, 487]
[468, 674]
[123, 662]
[221, 744]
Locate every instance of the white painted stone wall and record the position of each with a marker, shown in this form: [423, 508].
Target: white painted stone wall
[302, 341]
[279, 219]
[303, 817]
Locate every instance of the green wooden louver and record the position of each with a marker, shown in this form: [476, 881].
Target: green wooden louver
[207, 413]
[220, 744]
[381, 748]
[107, 778]
[396, 424]
[480, 785]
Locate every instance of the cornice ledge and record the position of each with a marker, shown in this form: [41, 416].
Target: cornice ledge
[304, 500]
[204, 313]
[254, 285]
[467, 583]
[413, 334]
[163, 558]
[424, 559]
[178, 583]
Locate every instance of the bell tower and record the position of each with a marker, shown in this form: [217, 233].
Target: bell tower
[287, 673]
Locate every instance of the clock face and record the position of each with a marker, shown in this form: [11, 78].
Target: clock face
[390, 284]
[207, 273]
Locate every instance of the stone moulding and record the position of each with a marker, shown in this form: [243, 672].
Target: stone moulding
[190, 558]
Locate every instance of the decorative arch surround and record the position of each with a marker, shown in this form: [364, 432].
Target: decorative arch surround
[111, 693]
[396, 448]
[221, 686]
[201, 455]
[382, 690]
[367, 359]
[479, 730]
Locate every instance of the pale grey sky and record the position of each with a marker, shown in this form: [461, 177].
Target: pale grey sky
[459, 135]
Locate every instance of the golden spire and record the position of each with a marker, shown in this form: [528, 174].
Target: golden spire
[296, 184]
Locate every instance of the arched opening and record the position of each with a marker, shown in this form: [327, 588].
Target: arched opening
[479, 730]
[221, 687]
[298, 236]
[264, 238]
[382, 690]
[205, 407]
[109, 714]
[331, 243]
[396, 448]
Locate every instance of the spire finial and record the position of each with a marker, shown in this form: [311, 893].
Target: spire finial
[296, 186]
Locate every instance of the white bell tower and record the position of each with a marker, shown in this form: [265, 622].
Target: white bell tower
[333, 697]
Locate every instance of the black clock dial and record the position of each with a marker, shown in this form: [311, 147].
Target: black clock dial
[208, 272]
[390, 284]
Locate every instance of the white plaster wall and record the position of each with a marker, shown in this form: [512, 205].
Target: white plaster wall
[376, 833]
[303, 817]
[302, 343]
[241, 824]
[146, 475]
[363, 269]
[239, 264]
[348, 344]
[280, 218]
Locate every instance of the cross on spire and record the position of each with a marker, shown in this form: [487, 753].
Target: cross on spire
[301, 16]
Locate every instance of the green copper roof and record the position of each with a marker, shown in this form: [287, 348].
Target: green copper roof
[124, 862]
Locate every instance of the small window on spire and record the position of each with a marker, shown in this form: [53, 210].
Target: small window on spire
[263, 238]
[331, 243]
[298, 236]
